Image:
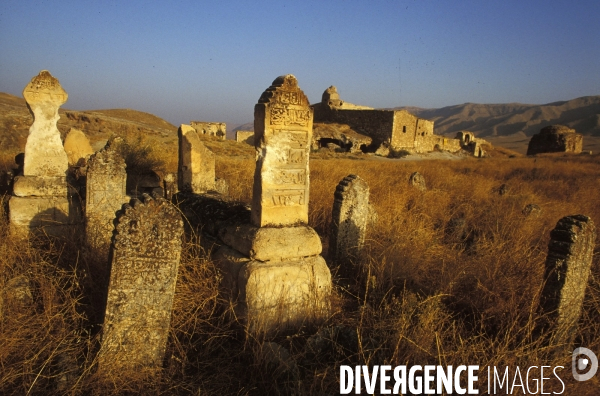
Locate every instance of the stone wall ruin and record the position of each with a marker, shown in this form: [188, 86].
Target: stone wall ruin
[217, 129]
[555, 139]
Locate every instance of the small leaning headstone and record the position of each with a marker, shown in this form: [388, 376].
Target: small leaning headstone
[350, 215]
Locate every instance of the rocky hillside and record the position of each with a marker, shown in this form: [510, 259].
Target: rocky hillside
[98, 125]
[581, 114]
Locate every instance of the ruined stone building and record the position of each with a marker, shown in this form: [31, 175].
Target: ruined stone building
[398, 129]
[555, 139]
[218, 129]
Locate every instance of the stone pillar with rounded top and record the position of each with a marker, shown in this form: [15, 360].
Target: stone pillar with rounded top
[273, 265]
[40, 193]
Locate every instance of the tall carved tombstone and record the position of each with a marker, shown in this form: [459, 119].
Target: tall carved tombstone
[40, 194]
[568, 267]
[350, 215]
[273, 266]
[145, 257]
[196, 171]
[105, 194]
[283, 123]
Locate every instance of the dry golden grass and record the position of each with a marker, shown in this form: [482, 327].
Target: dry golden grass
[428, 289]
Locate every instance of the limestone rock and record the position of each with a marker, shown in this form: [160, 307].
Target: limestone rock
[531, 209]
[283, 123]
[44, 152]
[77, 146]
[266, 244]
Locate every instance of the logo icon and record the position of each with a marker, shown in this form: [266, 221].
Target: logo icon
[588, 362]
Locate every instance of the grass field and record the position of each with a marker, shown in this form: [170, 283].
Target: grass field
[449, 276]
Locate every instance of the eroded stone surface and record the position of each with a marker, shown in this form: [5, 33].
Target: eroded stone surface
[283, 129]
[38, 212]
[77, 146]
[105, 194]
[265, 244]
[417, 180]
[26, 186]
[44, 152]
[145, 257]
[282, 293]
[568, 268]
[350, 215]
[196, 172]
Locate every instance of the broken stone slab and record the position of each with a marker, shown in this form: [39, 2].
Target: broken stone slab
[44, 151]
[568, 268]
[266, 243]
[196, 169]
[40, 186]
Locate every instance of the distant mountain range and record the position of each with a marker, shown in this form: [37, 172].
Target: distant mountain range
[582, 114]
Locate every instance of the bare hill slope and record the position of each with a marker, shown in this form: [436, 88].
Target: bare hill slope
[582, 114]
[98, 125]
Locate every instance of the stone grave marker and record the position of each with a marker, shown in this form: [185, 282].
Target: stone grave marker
[145, 258]
[196, 170]
[350, 215]
[568, 267]
[283, 123]
[105, 194]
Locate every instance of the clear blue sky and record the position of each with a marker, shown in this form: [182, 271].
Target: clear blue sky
[211, 60]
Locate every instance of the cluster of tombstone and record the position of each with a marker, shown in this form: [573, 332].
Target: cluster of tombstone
[269, 256]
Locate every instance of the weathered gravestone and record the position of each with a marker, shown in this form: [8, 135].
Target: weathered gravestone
[417, 180]
[274, 265]
[568, 268]
[350, 215]
[40, 194]
[145, 257]
[105, 194]
[196, 170]
[283, 124]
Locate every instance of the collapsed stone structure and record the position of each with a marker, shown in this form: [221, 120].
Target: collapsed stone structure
[350, 215]
[273, 264]
[568, 267]
[145, 259]
[245, 137]
[40, 195]
[398, 129]
[555, 139]
[218, 129]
